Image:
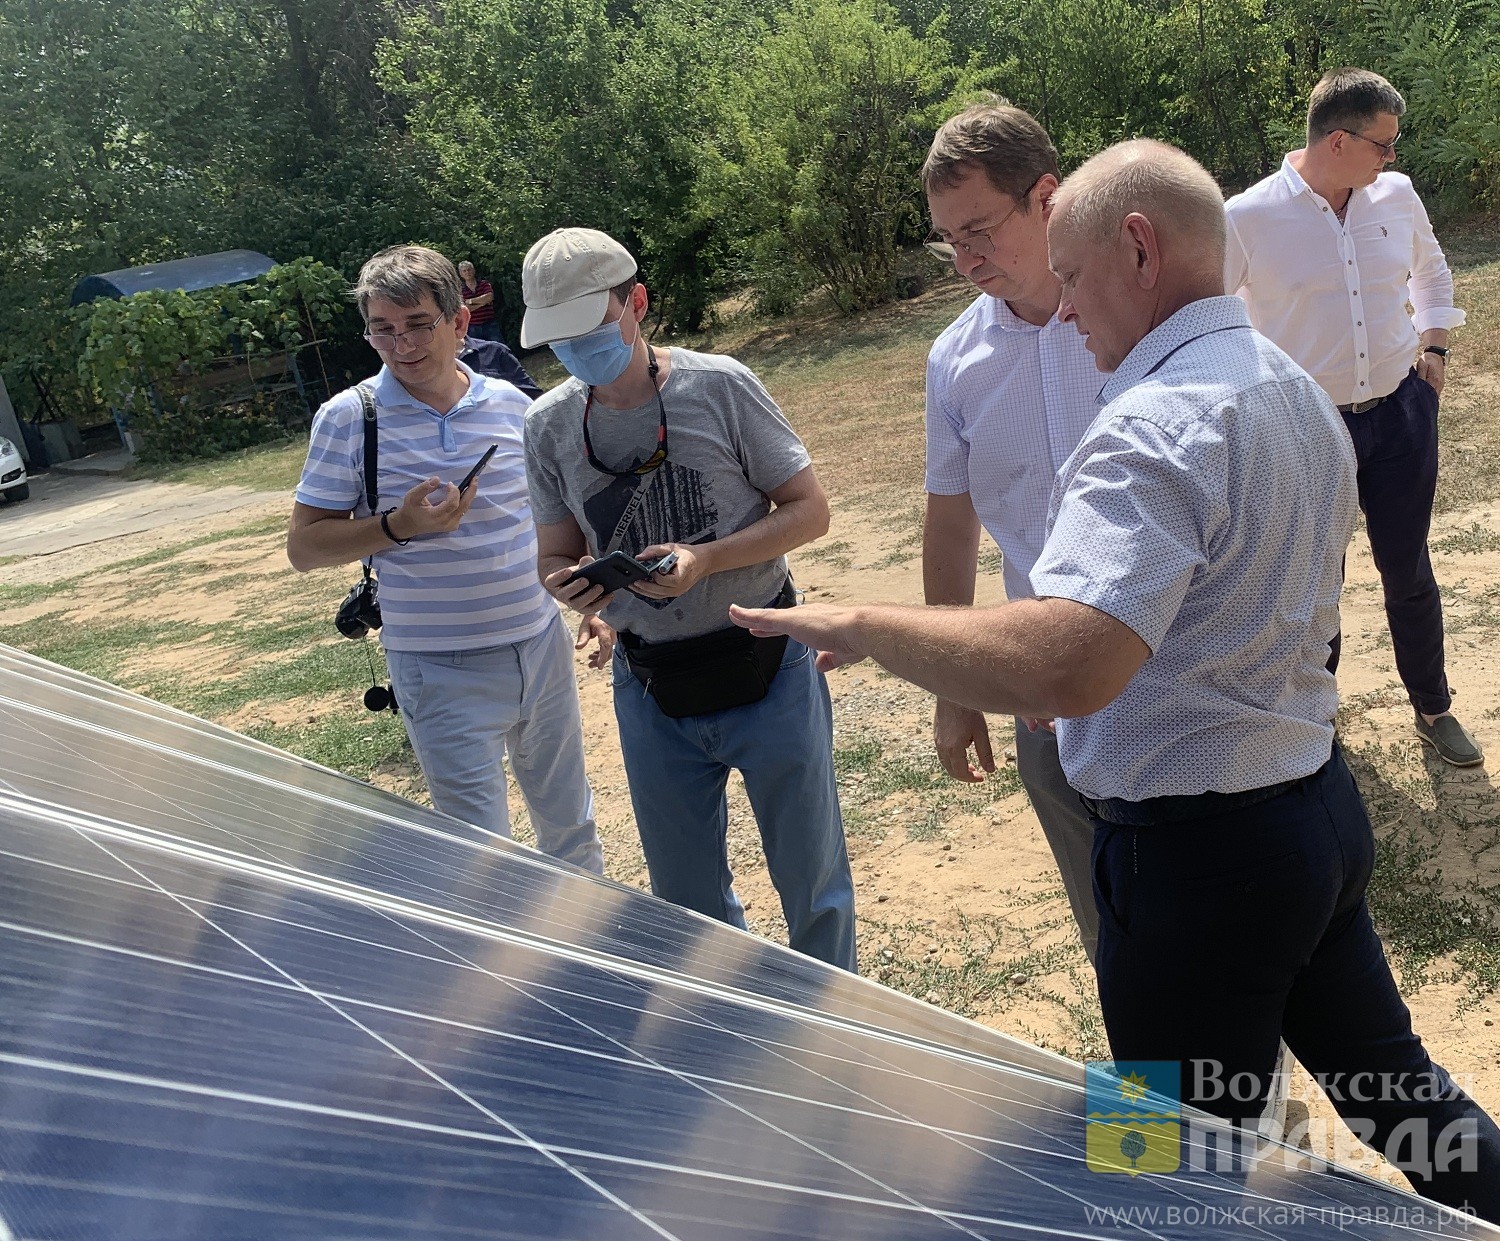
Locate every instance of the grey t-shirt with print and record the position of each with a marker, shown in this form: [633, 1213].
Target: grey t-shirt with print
[728, 446]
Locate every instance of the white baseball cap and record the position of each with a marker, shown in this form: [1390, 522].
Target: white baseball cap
[565, 283]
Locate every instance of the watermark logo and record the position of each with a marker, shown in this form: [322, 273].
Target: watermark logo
[1134, 1115]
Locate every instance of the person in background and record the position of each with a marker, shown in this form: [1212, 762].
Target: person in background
[479, 301]
[1327, 251]
[493, 358]
[1010, 392]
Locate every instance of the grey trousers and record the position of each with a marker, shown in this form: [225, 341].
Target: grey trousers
[1065, 824]
[465, 711]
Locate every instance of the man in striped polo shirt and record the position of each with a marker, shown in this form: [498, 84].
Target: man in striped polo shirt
[479, 657]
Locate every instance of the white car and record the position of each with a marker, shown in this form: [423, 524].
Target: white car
[12, 473]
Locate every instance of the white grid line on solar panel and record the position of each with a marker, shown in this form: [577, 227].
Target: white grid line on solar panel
[1178, 1188]
[627, 1049]
[502, 1155]
[95, 730]
[300, 830]
[943, 1085]
[720, 1095]
[1320, 1168]
[416, 1063]
[631, 1059]
[462, 923]
[171, 1087]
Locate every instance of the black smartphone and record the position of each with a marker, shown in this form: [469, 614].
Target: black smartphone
[617, 570]
[478, 465]
[613, 572]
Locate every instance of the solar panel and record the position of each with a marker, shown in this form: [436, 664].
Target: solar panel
[244, 996]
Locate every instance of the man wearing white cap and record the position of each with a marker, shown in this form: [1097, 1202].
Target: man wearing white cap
[657, 452]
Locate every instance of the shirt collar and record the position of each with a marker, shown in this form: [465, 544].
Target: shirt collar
[1292, 177]
[1296, 186]
[390, 394]
[1007, 320]
[1209, 314]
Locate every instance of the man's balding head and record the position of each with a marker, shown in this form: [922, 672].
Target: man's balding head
[1167, 186]
[1136, 234]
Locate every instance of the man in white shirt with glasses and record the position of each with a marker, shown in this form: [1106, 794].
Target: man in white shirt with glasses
[1327, 252]
[1010, 392]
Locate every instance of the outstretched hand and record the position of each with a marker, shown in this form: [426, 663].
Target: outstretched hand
[827, 630]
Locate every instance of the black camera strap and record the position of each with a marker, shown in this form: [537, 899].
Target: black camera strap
[372, 457]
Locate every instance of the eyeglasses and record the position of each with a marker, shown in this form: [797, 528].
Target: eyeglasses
[980, 243]
[1388, 149]
[418, 335]
[656, 458]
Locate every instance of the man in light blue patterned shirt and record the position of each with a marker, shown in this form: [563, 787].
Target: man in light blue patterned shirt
[1010, 391]
[1186, 598]
[480, 660]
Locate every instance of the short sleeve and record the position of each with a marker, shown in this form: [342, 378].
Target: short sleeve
[331, 474]
[770, 451]
[947, 471]
[1133, 525]
[543, 482]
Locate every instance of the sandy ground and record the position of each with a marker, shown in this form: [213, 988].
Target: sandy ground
[965, 897]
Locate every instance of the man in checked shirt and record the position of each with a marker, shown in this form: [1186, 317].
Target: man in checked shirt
[1327, 252]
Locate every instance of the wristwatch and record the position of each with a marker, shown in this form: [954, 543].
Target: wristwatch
[1441, 350]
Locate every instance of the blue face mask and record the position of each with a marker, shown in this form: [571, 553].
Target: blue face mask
[598, 357]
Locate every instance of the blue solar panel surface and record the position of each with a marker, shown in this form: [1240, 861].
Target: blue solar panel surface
[243, 996]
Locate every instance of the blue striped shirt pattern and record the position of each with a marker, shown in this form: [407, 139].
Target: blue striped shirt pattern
[1007, 402]
[476, 586]
[1208, 508]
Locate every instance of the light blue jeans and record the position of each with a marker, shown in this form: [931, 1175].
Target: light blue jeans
[783, 747]
[465, 710]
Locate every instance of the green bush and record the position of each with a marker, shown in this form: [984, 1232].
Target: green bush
[826, 132]
[140, 355]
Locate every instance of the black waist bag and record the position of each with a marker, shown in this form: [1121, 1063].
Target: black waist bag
[727, 668]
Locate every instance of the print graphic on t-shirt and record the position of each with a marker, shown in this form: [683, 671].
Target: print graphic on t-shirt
[676, 506]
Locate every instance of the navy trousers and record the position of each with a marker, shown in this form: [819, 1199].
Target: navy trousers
[1396, 446]
[1220, 936]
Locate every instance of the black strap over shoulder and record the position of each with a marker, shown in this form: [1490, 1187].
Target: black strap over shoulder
[372, 447]
[372, 456]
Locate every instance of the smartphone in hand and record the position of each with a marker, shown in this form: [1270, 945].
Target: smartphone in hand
[617, 570]
[468, 480]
